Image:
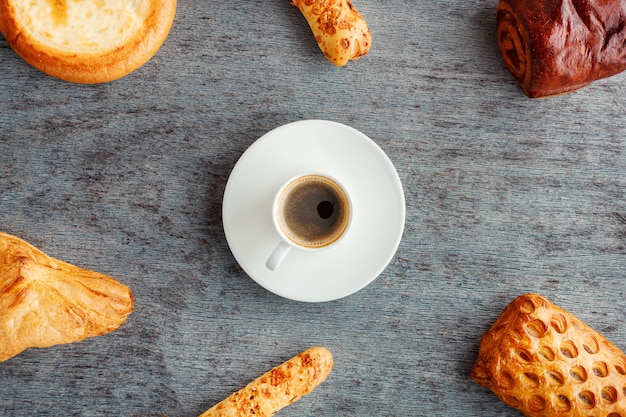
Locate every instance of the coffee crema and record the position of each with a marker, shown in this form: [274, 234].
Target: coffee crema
[313, 211]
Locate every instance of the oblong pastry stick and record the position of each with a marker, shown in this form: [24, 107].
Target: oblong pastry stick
[278, 387]
[339, 29]
[545, 362]
[45, 301]
[553, 47]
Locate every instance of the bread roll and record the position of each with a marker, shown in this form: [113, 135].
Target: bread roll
[554, 47]
[545, 362]
[339, 29]
[86, 41]
[45, 302]
[277, 388]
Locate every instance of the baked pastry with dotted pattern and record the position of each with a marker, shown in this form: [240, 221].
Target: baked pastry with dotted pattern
[545, 362]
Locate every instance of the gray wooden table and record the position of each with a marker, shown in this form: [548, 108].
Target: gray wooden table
[505, 195]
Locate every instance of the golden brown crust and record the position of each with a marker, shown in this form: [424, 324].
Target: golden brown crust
[553, 47]
[278, 387]
[339, 29]
[545, 362]
[85, 65]
[44, 301]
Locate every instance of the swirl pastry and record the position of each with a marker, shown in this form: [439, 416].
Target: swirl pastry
[554, 47]
[86, 41]
[45, 302]
[339, 29]
[545, 362]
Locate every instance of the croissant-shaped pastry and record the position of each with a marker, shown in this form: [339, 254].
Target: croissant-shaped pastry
[554, 47]
[339, 29]
[45, 302]
[545, 362]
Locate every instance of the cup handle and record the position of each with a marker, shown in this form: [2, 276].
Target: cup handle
[277, 256]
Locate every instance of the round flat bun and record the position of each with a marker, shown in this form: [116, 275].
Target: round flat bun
[86, 41]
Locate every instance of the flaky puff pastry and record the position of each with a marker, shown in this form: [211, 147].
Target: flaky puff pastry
[545, 362]
[339, 29]
[45, 302]
[278, 387]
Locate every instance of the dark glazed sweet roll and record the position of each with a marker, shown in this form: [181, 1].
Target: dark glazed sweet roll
[554, 47]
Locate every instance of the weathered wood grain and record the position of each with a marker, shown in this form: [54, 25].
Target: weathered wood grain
[505, 195]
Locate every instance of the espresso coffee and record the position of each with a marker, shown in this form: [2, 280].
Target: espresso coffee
[313, 211]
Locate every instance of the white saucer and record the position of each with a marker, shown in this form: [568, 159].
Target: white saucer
[342, 152]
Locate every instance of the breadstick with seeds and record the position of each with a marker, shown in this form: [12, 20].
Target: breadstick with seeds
[277, 388]
[339, 29]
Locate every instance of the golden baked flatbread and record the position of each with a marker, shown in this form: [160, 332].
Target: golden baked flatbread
[86, 41]
[45, 302]
[277, 388]
[545, 362]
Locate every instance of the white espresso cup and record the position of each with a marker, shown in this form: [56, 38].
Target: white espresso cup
[311, 212]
